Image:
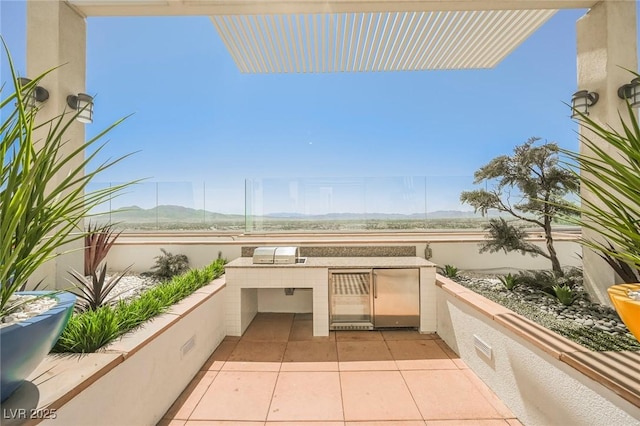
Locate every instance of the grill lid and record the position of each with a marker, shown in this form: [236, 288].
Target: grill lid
[264, 255]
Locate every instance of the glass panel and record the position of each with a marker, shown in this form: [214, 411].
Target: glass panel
[335, 204]
[350, 297]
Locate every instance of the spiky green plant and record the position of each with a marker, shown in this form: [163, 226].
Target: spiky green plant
[449, 271]
[40, 211]
[509, 281]
[564, 294]
[612, 176]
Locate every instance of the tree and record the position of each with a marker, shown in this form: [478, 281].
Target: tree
[542, 187]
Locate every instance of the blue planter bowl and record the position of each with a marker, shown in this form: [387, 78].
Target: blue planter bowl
[24, 345]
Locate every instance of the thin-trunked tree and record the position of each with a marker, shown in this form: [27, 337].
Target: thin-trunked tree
[541, 185]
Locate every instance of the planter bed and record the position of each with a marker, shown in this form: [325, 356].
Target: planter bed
[541, 376]
[133, 380]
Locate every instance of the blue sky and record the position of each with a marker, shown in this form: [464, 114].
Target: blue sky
[197, 118]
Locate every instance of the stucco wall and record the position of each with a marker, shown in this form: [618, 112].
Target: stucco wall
[142, 388]
[458, 250]
[538, 388]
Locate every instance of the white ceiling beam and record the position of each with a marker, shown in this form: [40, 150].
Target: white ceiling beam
[268, 7]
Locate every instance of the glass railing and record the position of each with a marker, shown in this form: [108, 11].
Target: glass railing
[400, 204]
[173, 206]
[409, 203]
[405, 203]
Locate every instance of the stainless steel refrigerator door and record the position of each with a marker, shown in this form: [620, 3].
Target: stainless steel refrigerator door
[396, 297]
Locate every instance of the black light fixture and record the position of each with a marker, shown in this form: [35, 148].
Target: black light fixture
[35, 94]
[581, 101]
[82, 103]
[631, 91]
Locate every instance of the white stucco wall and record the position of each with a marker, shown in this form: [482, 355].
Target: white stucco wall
[460, 252]
[143, 387]
[539, 389]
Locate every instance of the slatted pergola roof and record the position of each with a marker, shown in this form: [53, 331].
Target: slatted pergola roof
[302, 36]
[381, 41]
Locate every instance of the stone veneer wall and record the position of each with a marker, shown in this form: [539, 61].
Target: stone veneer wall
[348, 251]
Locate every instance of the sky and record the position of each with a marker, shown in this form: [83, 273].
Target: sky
[201, 127]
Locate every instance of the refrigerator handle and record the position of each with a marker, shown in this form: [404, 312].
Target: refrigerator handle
[375, 285]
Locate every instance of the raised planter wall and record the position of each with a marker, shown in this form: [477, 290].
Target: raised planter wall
[542, 377]
[134, 380]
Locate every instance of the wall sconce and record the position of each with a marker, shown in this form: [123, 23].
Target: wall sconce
[581, 101]
[631, 91]
[82, 103]
[38, 93]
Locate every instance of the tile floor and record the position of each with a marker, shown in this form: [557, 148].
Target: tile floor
[278, 373]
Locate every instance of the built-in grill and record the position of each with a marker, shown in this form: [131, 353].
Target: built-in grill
[277, 255]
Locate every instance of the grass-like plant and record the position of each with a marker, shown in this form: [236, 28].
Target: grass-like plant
[92, 291]
[449, 271]
[43, 185]
[611, 173]
[88, 331]
[509, 281]
[564, 294]
[97, 242]
[169, 265]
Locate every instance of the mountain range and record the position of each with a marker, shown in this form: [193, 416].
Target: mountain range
[170, 213]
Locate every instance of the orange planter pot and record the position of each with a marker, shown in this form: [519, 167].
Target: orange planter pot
[628, 308]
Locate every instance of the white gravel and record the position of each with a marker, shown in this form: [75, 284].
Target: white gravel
[31, 306]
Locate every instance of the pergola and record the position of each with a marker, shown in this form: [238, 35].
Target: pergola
[285, 36]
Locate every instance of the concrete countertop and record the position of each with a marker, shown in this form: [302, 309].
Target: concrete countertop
[340, 262]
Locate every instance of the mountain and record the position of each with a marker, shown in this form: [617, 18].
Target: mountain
[171, 213]
[168, 213]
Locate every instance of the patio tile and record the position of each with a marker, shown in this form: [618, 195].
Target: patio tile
[416, 349]
[298, 423]
[488, 394]
[265, 329]
[237, 396]
[168, 422]
[363, 351]
[376, 395]
[275, 316]
[250, 366]
[447, 350]
[388, 423]
[309, 366]
[305, 316]
[426, 364]
[303, 331]
[448, 394]
[222, 352]
[221, 423]
[258, 351]
[311, 352]
[189, 398]
[407, 335]
[468, 422]
[307, 396]
[460, 363]
[368, 366]
[358, 336]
